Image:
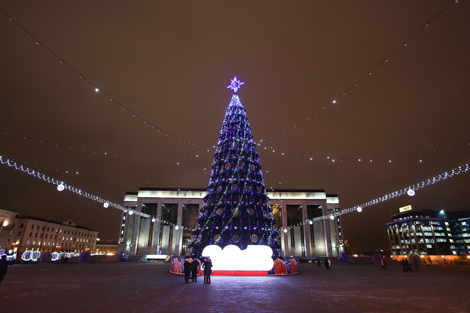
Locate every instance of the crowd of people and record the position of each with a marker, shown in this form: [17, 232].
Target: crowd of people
[190, 267]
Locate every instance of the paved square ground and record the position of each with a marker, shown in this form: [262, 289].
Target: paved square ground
[149, 287]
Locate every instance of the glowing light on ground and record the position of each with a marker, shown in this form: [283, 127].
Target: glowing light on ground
[231, 258]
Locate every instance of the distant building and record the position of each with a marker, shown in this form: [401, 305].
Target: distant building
[7, 221]
[429, 232]
[21, 233]
[178, 209]
[106, 247]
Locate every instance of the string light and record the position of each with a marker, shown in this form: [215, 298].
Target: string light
[235, 84]
[464, 168]
[62, 186]
[409, 157]
[360, 80]
[96, 89]
[116, 173]
[100, 152]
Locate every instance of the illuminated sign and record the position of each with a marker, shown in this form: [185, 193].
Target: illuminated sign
[231, 258]
[405, 208]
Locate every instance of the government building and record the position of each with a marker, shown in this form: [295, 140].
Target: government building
[174, 212]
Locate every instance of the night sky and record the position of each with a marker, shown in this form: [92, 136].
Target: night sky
[168, 63]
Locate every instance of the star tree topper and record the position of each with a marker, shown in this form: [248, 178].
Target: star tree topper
[235, 84]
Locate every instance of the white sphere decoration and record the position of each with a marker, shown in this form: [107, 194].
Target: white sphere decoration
[106, 204]
[285, 230]
[359, 209]
[332, 217]
[153, 220]
[60, 187]
[131, 212]
[176, 227]
[310, 222]
[411, 192]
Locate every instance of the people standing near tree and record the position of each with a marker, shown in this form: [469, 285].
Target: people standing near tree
[3, 267]
[207, 265]
[407, 266]
[327, 263]
[194, 266]
[383, 263]
[187, 269]
[417, 262]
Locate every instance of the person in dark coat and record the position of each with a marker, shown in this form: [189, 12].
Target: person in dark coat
[207, 270]
[187, 270]
[194, 267]
[407, 266]
[3, 267]
[327, 264]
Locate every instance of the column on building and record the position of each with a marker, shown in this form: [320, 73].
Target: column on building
[178, 231]
[156, 249]
[136, 228]
[327, 228]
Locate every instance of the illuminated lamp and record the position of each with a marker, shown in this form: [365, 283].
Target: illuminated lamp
[285, 230]
[176, 227]
[411, 192]
[60, 187]
[231, 258]
[106, 204]
[359, 209]
[153, 220]
[310, 222]
[131, 212]
[332, 217]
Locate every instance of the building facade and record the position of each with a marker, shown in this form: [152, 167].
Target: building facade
[7, 221]
[174, 213]
[107, 247]
[429, 232]
[26, 233]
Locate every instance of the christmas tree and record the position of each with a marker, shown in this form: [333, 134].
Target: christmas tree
[236, 209]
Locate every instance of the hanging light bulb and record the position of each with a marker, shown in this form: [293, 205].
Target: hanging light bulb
[176, 227]
[131, 212]
[359, 209]
[310, 222]
[153, 220]
[61, 186]
[106, 204]
[285, 230]
[332, 217]
[411, 192]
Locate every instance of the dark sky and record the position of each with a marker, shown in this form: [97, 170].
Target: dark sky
[169, 62]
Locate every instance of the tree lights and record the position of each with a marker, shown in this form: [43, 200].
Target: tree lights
[235, 210]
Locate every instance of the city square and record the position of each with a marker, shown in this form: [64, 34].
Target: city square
[128, 161]
[149, 287]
